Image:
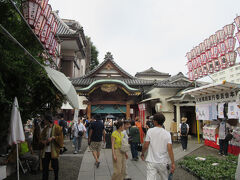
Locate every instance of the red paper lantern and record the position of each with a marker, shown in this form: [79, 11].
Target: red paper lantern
[229, 30]
[189, 56]
[220, 35]
[43, 3]
[200, 72]
[194, 53]
[209, 55]
[53, 47]
[45, 33]
[231, 57]
[190, 76]
[55, 26]
[31, 12]
[210, 67]
[217, 65]
[213, 39]
[214, 52]
[207, 44]
[202, 47]
[49, 40]
[196, 75]
[189, 65]
[230, 44]
[198, 50]
[223, 62]
[39, 25]
[237, 22]
[199, 63]
[222, 48]
[203, 58]
[47, 11]
[205, 69]
[238, 36]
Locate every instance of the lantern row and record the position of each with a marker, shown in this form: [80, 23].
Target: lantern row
[215, 53]
[39, 16]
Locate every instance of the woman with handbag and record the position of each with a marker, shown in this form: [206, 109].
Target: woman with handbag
[118, 154]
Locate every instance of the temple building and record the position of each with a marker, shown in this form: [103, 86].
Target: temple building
[110, 90]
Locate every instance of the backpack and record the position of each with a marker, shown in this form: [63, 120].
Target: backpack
[184, 129]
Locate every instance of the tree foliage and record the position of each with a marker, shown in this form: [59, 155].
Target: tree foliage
[94, 56]
[19, 76]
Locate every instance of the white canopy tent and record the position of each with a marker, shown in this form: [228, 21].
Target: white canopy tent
[82, 106]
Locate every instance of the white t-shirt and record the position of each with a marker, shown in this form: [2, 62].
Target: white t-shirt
[159, 139]
[78, 127]
[125, 134]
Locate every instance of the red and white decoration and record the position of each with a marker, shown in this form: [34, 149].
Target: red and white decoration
[215, 53]
[42, 21]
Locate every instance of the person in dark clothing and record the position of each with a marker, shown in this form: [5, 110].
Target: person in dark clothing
[95, 138]
[184, 129]
[134, 139]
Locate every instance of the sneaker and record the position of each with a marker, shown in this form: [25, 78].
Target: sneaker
[184, 150]
[97, 164]
[75, 152]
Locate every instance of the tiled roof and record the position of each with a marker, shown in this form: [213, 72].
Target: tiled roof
[128, 79]
[63, 28]
[177, 81]
[151, 72]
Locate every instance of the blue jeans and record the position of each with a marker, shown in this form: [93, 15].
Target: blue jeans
[78, 142]
[134, 151]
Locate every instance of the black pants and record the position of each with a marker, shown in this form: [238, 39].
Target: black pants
[223, 149]
[45, 163]
[134, 146]
[184, 141]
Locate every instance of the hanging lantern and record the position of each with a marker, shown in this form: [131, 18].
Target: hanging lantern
[207, 44]
[214, 52]
[213, 39]
[47, 11]
[31, 12]
[190, 76]
[238, 50]
[210, 67]
[39, 25]
[220, 35]
[223, 62]
[237, 22]
[217, 65]
[222, 48]
[194, 63]
[229, 30]
[53, 46]
[49, 40]
[203, 58]
[202, 47]
[198, 50]
[205, 69]
[238, 36]
[199, 63]
[189, 65]
[189, 56]
[209, 55]
[230, 44]
[42, 3]
[45, 33]
[194, 53]
[231, 58]
[55, 26]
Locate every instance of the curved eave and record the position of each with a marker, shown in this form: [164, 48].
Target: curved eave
[104, 81]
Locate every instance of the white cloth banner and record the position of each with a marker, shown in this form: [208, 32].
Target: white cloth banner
[16, 133]
[232, 110]
[213, 111]
[75, 118]
[202, 112]
[220, 110]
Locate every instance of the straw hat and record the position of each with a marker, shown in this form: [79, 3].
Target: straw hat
[184, 119]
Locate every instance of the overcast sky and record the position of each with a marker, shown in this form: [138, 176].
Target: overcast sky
[149, 33]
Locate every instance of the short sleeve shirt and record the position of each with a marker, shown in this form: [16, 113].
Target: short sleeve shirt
[97, 131]
[118, 139]
[159, 138]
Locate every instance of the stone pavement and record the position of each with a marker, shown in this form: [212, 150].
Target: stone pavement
[136, 169]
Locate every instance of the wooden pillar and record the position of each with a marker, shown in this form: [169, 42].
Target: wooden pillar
[127, 111]
[89, 111]
[178, 116]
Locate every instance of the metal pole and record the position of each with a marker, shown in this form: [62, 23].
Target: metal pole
[17, 161]
[198, 136]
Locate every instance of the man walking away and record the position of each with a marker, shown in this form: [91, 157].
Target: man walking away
[52, 140]
[184, 129]
[95, 138]
[159, 150]
[78, 132]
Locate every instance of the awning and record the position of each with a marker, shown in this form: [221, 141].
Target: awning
[150, 99]
[212, 88]
[63, 84]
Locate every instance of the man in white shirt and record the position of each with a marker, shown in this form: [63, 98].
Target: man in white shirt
[159, 145]
[78, 132]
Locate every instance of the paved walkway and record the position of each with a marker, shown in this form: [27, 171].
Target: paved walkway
[136, 170]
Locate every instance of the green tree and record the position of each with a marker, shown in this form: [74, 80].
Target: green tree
[94, 56]
[19, 76]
